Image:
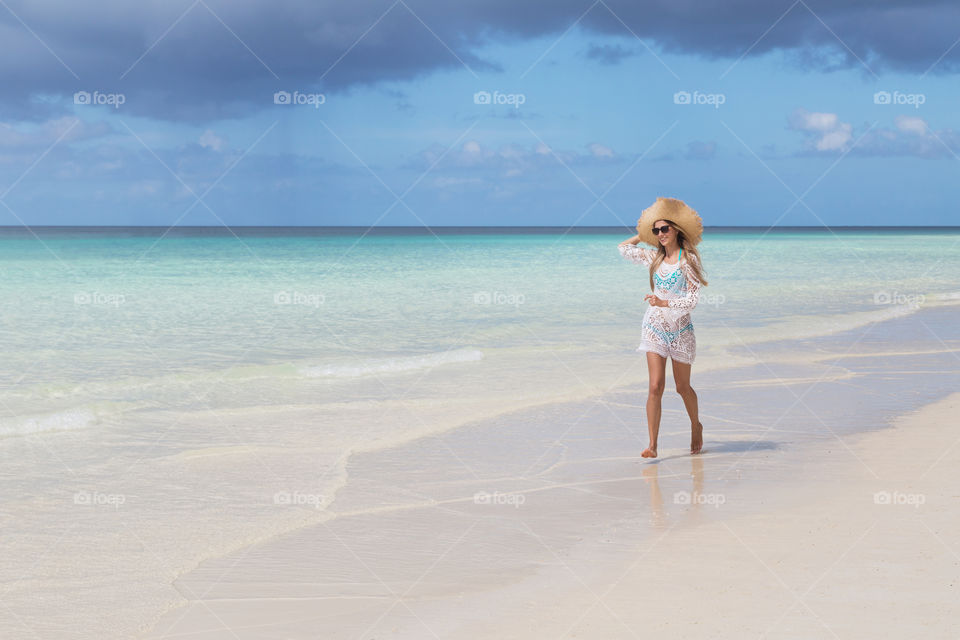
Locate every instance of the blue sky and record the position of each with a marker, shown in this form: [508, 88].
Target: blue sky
[784, 124]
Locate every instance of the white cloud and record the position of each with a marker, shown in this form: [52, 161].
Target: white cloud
[825, 131]
[910, 136]
[66, 129]
[599, 150]
[443, 182]
[911, 124]
[512, 160]
[815, 121]
[836, 140]
[210, 140]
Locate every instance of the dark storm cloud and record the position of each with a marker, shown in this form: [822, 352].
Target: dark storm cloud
[199, 59]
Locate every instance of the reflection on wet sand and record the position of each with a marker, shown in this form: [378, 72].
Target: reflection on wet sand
[682, 496]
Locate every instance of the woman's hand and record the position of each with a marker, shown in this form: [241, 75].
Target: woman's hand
[655, 301]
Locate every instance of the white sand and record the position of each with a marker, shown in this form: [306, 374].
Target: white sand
[835, 564]
[816, 558]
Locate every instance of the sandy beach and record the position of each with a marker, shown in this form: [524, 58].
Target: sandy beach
[548, 524]
[870, 552]
[250, 468]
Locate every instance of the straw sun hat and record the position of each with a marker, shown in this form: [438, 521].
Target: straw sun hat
[678, 212]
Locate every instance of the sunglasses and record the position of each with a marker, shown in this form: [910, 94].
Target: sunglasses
[658, 230]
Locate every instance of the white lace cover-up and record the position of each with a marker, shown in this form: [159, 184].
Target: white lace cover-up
[668, 330]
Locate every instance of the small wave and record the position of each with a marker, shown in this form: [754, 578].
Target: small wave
[812, 326]
[67, 420]
[946, 298]
[393, 365]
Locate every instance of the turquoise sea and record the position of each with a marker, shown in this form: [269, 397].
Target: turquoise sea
[103, 323]
[159, 384]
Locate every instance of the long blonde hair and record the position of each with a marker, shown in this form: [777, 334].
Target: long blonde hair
[688, 249]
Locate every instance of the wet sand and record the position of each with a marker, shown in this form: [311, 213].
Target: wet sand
[823, 505]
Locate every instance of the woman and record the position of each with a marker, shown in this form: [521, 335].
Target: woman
[676, 276]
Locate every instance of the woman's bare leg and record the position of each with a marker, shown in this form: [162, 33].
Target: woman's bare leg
[657, 367]
[681, 375]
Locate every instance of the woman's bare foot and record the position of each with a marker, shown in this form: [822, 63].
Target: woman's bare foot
[696, 438]
[649, 452]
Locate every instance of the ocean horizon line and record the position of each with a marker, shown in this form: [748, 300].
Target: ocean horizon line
[412, 230]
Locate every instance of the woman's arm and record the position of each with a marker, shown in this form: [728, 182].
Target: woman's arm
[637, 255]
